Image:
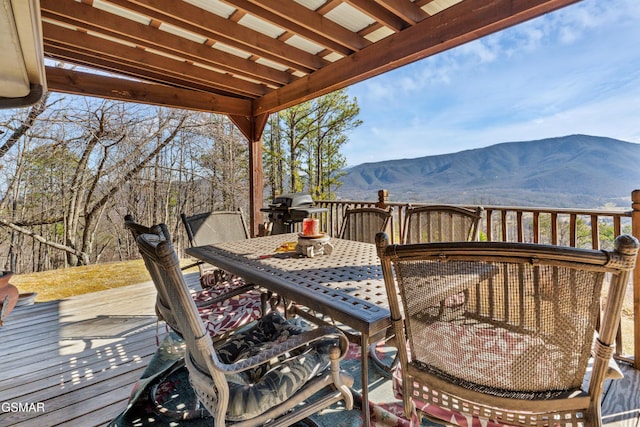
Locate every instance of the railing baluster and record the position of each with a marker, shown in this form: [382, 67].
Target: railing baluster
[519, 226]
[503, 217]
[595, 232]
[536, 227]
[572, 230]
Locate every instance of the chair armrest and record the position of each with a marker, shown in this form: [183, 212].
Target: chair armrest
[292, 343]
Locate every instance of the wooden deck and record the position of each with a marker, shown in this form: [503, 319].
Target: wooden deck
[74, 361]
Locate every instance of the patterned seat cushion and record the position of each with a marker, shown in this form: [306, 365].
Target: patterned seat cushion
[483, 348]
[255, 391]
[229, 314]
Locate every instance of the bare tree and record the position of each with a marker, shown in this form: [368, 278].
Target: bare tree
[101, 147]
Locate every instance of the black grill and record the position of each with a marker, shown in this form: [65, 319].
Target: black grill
[289, 209]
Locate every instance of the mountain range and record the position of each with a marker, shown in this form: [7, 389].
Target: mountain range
[578, 171]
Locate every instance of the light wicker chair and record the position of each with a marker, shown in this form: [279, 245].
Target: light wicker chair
[362, 224]
[516, 350]
[252, 390]
[430, 224]
[231, 304]
[441, 223]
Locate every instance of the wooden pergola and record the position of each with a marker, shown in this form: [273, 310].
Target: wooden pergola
[250, 58]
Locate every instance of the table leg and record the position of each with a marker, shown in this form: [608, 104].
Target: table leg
[364, 352]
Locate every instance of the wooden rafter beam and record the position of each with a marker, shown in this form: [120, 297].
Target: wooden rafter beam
[85, 17]
[285, 23]
[405, 9]
[77, 57]
[379, 14]
[87, 84]
[459, 24]
[317, 26]
[118, 53]
[199, 21]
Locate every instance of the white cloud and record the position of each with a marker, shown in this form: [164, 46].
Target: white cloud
[576, 70]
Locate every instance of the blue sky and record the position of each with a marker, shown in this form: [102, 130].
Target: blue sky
[576, 70]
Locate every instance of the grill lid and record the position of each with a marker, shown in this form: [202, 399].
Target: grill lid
[291, 200]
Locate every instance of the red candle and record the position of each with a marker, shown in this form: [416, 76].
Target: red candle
[310, 226]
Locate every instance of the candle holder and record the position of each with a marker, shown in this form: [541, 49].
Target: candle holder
[311, 227]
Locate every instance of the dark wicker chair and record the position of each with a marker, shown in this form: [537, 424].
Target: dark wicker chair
[214, 227]
[263, 372]
[516, 349]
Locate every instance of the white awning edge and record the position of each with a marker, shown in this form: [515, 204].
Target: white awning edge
[22, 75]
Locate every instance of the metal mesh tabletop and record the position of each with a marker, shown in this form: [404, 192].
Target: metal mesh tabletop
[346, 285]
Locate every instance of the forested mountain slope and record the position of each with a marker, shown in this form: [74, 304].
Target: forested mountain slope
[570, 171]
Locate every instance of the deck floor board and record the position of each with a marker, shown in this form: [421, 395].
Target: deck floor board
[81, 356]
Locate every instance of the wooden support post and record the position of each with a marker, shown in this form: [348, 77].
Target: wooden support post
[256, 185]
[383, 199]
[635, 230]
[252, 128]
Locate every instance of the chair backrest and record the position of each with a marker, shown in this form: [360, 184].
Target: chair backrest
[208, 228]
[164, 266]
[441, 223]
[362, 224]
[157, 232]
[215, 227]
[486, 322]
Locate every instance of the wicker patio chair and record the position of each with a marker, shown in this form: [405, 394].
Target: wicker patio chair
[430, 224]
[261, 373]
[362, 224]
[441, 223]
[231, 304]
[516, 351]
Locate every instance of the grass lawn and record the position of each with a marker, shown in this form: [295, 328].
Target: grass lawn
[66, 282]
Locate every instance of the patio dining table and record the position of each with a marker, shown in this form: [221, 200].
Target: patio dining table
[345, 287]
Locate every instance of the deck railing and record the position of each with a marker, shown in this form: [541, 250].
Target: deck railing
[582, 228]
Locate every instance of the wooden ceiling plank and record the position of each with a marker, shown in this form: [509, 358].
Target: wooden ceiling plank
[463, 22]
[313, 21]
[406, 9]
[200, 21]
[379, 14]
[132, 70]
[102, 47]
[87, 84]
[84, 16]
[256, 10]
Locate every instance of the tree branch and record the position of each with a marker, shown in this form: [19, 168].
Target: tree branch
[33, 114]
[42, 240]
